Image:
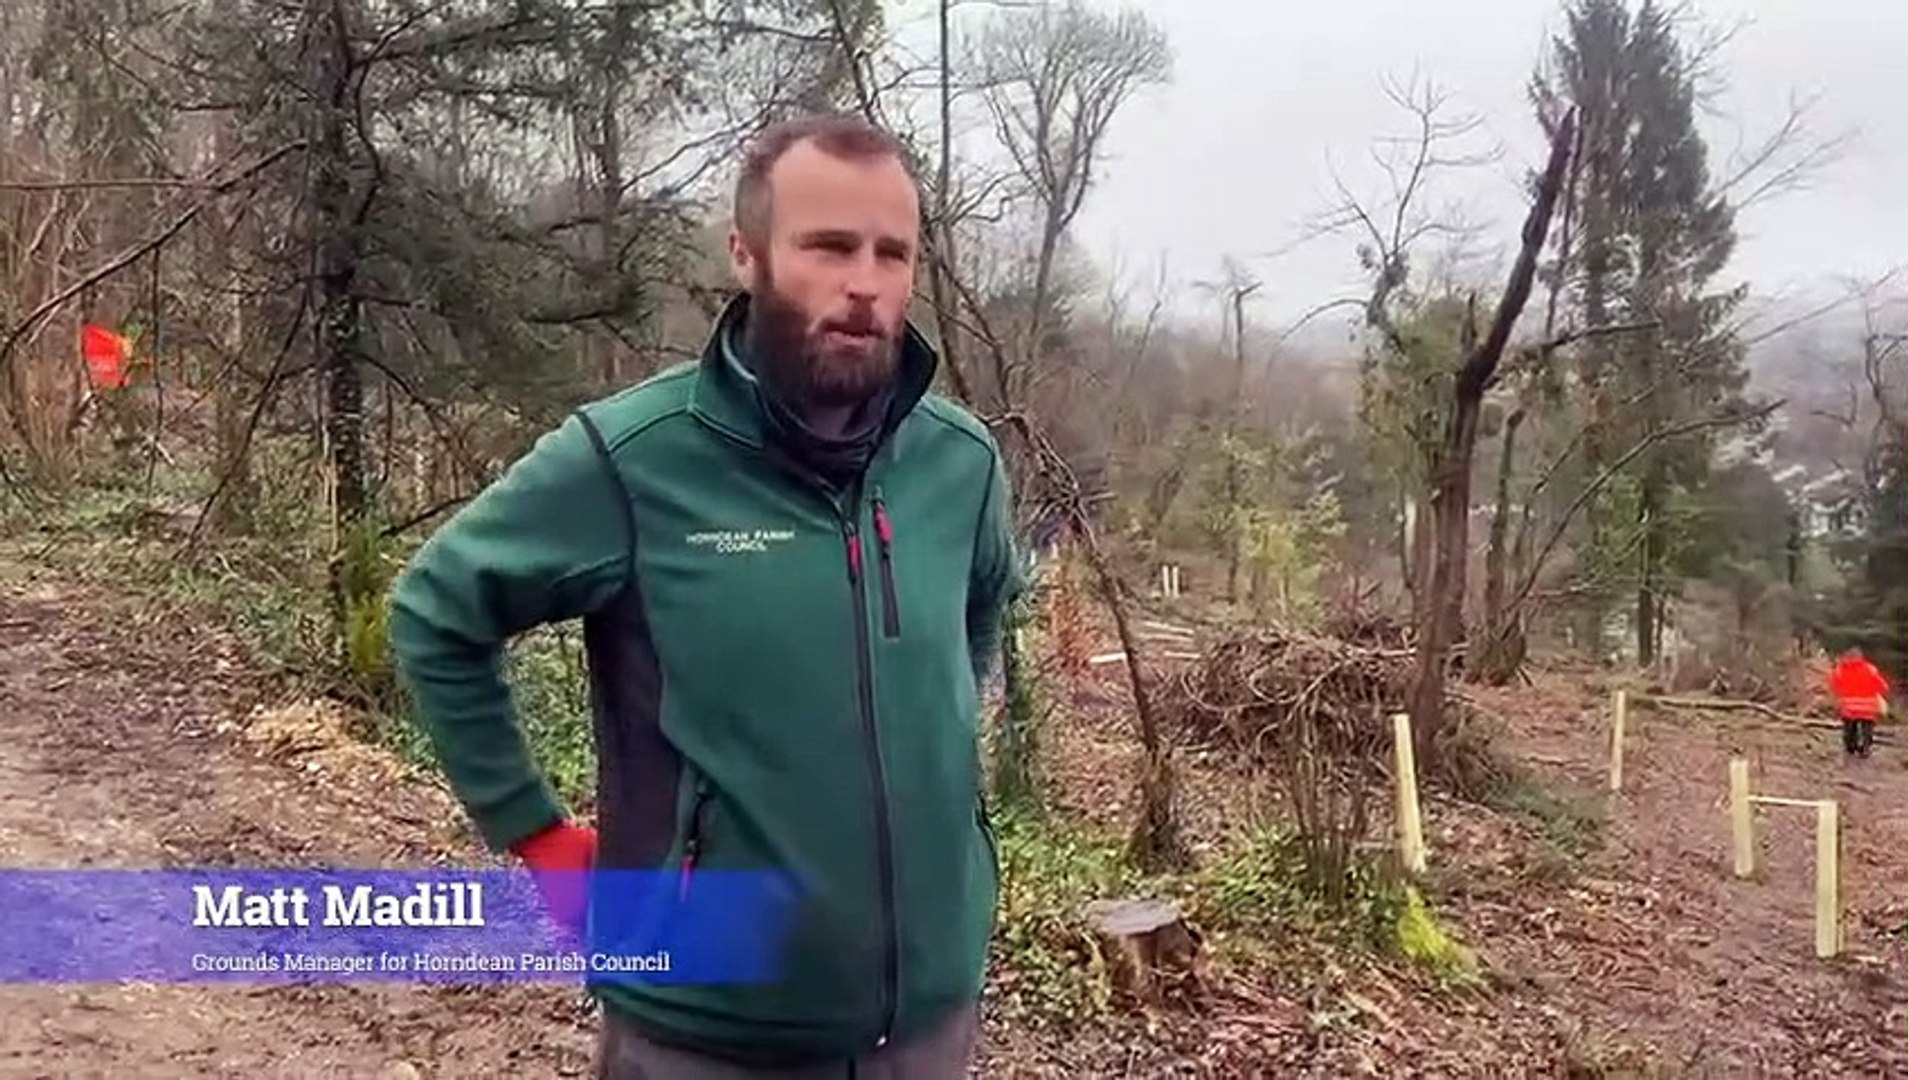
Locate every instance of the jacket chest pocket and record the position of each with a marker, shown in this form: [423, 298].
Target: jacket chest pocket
[918, 561]
[884, 555]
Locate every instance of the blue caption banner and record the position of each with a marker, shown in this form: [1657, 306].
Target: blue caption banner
[428, 926]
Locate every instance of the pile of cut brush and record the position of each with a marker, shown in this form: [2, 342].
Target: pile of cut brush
[1269, 695]
[1369, 628]
[1276, 700]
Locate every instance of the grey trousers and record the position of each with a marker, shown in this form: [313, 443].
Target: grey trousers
[943, 1052]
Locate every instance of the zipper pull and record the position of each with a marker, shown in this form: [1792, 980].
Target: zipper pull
[692, 845]
[884, 529]
[853, 541]
[884, 534]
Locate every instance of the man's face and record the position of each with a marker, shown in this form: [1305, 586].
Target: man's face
[830, 286]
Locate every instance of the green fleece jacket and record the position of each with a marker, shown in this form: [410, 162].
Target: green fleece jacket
[785, 675]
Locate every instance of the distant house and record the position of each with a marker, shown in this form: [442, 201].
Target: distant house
[1828, 504]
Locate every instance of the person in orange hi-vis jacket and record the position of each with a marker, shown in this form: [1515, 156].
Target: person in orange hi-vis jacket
[1861, 698]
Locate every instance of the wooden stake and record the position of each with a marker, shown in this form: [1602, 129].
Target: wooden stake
[1828, 879]
[1741, 820]
[1169, 581]
[1410, 820]
[1828, 851]
[1619, 710]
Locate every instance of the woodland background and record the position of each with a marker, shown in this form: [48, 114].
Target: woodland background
[366, 251]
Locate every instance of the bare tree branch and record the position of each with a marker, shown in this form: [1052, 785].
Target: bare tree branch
[1688, 427]
[138, 251]
[1786, 160]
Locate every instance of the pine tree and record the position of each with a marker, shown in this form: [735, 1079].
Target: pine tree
[1654, 236]
[1872, 612]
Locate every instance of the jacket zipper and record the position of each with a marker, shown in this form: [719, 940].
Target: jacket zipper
[986, 821]
[884, 840]
[692, 845]
[890, 604]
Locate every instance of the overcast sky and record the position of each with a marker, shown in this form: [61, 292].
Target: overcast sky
[1233, 157]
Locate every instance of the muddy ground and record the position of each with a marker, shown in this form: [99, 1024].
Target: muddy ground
[130, 739]
[119, 748]
[125, 741]
[1624, 946]
[1661, 949]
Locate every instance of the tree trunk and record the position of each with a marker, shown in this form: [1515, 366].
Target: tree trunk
[1649, 606]
[234, 513]
[940, 229]
[1156, 845]
[1016, 763]
[1420, 540]
[338, 313]
[1451, 500]
[1600, 269]
[607, 201]
[1235, 480]
[1443, 608]
[1502, 646]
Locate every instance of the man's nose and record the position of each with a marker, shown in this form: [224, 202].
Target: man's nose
[863, 283]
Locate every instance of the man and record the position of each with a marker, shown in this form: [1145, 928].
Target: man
[791, 562]
[1861, 698]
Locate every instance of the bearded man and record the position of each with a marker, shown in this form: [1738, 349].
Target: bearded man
[791, 561]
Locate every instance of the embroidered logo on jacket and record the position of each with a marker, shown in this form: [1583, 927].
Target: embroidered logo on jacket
[739, 541]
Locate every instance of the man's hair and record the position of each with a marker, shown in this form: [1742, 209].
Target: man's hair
[840, 135]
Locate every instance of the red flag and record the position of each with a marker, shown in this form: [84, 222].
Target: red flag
[106, 354]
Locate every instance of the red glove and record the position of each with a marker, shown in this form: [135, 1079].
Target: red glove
[557, 858]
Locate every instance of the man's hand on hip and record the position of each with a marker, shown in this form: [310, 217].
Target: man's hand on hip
[559, 858]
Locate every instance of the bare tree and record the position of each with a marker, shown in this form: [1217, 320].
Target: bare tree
[1451, 491]
[1054, 77]
[1447, 391]
[1391, 229]
[1235, 288]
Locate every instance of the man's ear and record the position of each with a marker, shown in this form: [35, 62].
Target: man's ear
[742, 262]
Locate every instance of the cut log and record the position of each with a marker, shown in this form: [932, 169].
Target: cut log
[1149, 949]
[1727, 705]
[1730, 705]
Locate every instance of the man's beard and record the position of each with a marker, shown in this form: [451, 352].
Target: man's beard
[800, 364]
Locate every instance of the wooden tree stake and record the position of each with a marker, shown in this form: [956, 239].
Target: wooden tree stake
[1828, 851]
[1410, 820]
[1619, 713]
[1741, 819]
[1828, 879]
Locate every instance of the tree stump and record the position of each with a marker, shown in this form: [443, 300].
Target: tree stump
[1147, 946]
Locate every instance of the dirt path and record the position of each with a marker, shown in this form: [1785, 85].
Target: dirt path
[1669, 957]
[117, 750]
[121, 745]
[125, 742]
[1644, 955]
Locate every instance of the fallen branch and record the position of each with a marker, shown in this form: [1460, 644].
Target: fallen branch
[1728, 705]
[1157, 843]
